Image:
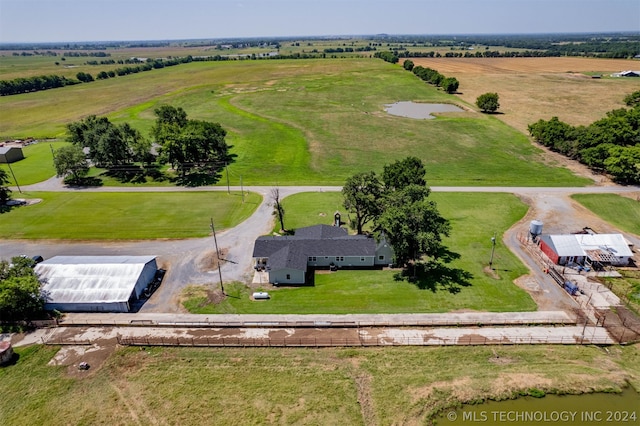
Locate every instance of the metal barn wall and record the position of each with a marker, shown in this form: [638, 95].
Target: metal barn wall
[146, 276]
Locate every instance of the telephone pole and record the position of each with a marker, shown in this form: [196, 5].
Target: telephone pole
[213, 229]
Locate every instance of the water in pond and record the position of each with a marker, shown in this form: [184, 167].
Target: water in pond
[419, 110]
[583, 410]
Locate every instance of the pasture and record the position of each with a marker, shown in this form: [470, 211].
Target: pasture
[623, 212]
[474, 218]
[125, 216]
[302, 121]
[355, 386]
[535, 88]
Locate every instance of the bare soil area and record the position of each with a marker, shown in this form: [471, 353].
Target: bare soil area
[540, 88]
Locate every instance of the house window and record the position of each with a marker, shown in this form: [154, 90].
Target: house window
[288, 276]
[381, 257]
[339, 258]
[312, 258]
[362, 259]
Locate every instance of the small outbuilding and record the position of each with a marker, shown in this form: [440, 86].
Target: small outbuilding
[6, 352]
[95, 283]
[10, 154]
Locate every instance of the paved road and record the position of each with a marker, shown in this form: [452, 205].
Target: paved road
[182, 256]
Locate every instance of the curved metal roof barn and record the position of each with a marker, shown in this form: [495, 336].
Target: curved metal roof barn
[95, 283]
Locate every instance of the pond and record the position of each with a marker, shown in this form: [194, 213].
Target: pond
[419, 110]
[586, 409]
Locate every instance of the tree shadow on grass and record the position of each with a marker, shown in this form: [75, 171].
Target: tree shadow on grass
[437, 275]
[137, 174]
[83, 182]
[197, 179]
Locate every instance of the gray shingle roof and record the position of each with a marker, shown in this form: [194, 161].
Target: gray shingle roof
[319, 240]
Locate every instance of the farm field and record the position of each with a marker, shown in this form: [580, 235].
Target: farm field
[474, 218]
[540, 88]
[302, 121]
[125, 216]
[623, 212]
[230, 386]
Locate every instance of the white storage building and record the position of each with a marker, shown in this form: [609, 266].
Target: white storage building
[95, 283]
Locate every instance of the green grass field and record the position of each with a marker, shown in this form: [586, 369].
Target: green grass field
[231, 386]
[302, 121]
[125, 216]
[36, 166]
[474, 218]
[622, 212]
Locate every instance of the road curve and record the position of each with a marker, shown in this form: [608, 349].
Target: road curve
[183, 256]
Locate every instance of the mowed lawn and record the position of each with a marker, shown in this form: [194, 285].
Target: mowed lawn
[622, 212]
[303, 121]
[36, 166]
[125, 216]
[328, 386]
[474, 218]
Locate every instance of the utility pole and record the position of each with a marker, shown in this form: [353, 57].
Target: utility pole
[218, 255]
[241, 189]
[493, 249]
[14, 177]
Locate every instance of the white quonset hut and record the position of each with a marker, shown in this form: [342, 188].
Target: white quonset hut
[95, 283]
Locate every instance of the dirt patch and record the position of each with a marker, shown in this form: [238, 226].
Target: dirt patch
[492, 273]
[500, 360]
[208, 260]
[460, 389]
[363, 385]
[71, 356]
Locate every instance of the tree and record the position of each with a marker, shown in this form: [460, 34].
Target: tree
[488, 102]
[408, 64]
[5, 192]
[84, 77]
[189, 145]
[409, 171]
[70, 160]
[450, 84]
[21, 296]
[633, 99]
[278, 209]
[413, 225]
[623, 164]
[362, 194]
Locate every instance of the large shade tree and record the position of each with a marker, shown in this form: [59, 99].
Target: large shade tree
[413, 225]
[71, 163]
[362, 195]
[400, 208]
[189, 145]
[109, 145]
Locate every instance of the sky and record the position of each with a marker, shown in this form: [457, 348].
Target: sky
[114, 20]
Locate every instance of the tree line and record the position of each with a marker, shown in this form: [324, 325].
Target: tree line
[431, 76]
[610, 145]
[34, 84]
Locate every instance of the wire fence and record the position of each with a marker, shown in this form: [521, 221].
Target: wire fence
[470, 340]
[441, 321]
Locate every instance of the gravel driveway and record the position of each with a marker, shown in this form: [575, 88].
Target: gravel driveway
[183, 258]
